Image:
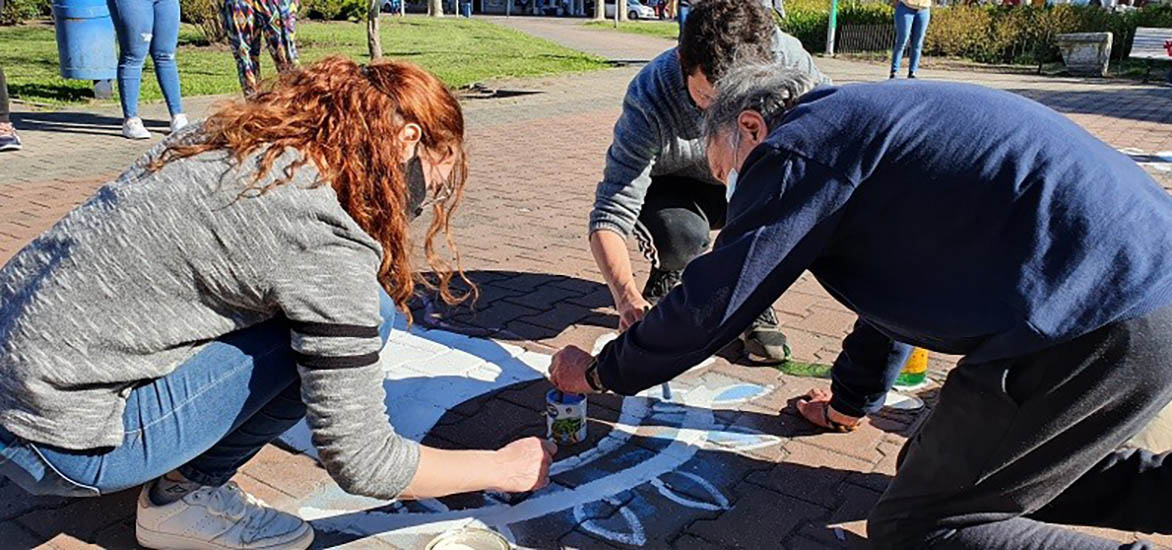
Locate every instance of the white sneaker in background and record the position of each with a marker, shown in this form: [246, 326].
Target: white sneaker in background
[218, 518]
[132, 128]
[178, 122]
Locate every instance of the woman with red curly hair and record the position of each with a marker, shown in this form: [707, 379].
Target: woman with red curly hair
[240, 277]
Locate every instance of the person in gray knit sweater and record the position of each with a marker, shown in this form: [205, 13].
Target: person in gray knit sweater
[241, 276]
[657, 183]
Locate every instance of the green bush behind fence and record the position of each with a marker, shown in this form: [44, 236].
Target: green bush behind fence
[992, 34]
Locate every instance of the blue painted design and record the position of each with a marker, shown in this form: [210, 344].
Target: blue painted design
[734, 440]
[739, 393]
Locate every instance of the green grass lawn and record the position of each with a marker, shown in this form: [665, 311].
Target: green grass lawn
[662, 29]
[460, 51]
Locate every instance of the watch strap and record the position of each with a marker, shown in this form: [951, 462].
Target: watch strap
[592, 377]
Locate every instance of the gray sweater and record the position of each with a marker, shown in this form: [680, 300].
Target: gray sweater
[658, 133]
[130, 284]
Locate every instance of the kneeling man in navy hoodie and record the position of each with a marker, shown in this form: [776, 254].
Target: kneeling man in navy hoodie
[962, 220]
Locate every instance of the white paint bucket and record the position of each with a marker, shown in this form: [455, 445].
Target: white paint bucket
[469, 538]
[565, 417]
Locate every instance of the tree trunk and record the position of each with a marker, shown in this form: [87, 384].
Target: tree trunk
[599, 10]
[621, 7]
[435, 8]
[374, 43]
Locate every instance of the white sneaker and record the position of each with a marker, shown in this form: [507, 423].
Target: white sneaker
[132, 128]
[218, 518]
[178, 122]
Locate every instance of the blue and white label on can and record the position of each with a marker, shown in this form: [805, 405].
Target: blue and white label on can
[565, 417]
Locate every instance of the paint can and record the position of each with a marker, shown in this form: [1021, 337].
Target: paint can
[469, 538]
[565, 417]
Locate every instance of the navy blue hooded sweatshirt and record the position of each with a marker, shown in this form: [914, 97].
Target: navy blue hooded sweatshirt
[947, 216]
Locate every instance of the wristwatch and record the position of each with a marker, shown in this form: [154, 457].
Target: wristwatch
[592, 377]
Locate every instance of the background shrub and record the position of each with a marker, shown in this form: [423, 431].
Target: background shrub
[333, 10]
[991, 34]
[19, 11]
[207, 15]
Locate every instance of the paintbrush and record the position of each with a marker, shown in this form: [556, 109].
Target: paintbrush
[664, 388]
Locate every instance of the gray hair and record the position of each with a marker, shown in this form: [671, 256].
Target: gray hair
[768, 88]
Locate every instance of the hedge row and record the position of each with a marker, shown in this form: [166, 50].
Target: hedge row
[205, 13]
[19, 11]
[994, 34]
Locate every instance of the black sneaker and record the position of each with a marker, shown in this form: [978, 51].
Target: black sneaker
[9, 141]
[764, 341]
[911, 76]
[891, 76]
[659, 283]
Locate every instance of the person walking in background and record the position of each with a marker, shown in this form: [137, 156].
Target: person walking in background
[9, 141]
[147, 26]
[911, 20]
[247, 22]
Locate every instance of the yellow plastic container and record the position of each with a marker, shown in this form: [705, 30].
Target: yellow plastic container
[915, 370]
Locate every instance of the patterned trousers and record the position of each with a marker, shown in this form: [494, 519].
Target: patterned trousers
[247, 22]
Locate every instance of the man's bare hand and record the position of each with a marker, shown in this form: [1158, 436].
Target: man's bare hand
[631, 311]
[567, 371]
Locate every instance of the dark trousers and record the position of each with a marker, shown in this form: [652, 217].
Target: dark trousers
[1015, 446]
[678, 216]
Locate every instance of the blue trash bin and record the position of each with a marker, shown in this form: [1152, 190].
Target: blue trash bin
[85, 39]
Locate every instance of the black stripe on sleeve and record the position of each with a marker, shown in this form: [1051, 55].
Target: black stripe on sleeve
[334, 330]
[335, 362]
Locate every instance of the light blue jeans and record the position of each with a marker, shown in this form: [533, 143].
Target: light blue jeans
[207, 418]
[913, 23]
[146, 26]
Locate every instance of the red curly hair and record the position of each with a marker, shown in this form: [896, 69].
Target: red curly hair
[346, 119]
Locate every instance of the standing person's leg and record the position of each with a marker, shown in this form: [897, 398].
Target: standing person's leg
[277, 20]
[239, 21]
[903, 24]
[919, 30]
[1035, 438]
[134, 21]
[9, 141]
[163, 46]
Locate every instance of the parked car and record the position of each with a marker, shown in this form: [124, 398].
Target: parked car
[635, 10]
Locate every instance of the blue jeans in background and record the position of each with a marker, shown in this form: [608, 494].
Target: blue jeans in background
[913, 23]
[146, 26]
[207, 418]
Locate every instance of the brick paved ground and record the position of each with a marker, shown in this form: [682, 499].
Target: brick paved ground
[535, 160]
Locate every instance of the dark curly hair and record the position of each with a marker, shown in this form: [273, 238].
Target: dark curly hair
[721, 33]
